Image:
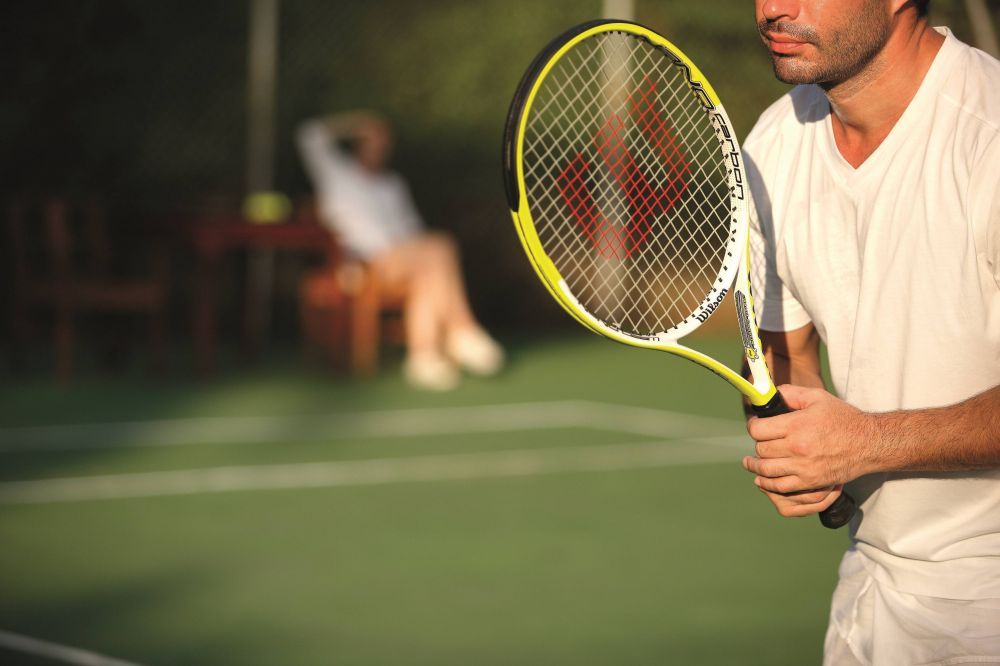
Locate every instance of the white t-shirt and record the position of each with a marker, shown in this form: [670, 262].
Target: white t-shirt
[369, 212]
[897, 264]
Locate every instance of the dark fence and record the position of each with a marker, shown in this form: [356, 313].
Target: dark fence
[145, 103]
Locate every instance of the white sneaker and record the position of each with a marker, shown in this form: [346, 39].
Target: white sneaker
[430, 371]
[475, 351]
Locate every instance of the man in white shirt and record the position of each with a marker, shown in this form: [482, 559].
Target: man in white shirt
[876, 184]
[373, 215]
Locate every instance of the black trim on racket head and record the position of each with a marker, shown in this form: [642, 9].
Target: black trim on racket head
[521, 97]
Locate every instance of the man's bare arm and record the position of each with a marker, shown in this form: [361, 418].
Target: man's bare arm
[964, 436]
[826, 441]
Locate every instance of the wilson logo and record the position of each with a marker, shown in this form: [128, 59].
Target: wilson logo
[645, 200]
[711, 307]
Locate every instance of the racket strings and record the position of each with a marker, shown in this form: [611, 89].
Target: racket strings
[626, 183]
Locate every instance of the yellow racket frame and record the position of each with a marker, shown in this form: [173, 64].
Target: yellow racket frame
[760, 391]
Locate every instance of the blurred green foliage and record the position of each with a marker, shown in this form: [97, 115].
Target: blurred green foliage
[146, 102]
[148, 99]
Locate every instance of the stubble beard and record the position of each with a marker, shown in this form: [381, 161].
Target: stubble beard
[840, 55]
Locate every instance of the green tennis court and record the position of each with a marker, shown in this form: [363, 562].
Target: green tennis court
[588, 507]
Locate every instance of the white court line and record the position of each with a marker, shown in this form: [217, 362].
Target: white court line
[496, 464]
[57, 652]
[390, 423]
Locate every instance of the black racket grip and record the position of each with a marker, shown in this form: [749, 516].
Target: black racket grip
[842, 510]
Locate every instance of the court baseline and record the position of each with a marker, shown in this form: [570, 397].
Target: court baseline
[687, 445]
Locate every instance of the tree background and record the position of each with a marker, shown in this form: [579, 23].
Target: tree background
[145, 103]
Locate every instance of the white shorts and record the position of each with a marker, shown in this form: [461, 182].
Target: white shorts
[872, 624]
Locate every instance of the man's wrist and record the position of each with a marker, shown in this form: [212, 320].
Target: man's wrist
[885, 449]
[873, 449]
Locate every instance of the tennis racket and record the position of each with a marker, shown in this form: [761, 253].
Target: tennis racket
[628, 192]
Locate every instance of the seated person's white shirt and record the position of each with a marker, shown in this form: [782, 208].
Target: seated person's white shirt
[897, 264]
[370, 213]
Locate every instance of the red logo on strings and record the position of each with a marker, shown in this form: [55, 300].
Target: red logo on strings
[645, 201]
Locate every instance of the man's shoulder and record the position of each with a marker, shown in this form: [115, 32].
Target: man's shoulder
[800, 106]
[973, 85]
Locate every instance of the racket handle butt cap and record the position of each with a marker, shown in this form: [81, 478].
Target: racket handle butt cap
[839, 513]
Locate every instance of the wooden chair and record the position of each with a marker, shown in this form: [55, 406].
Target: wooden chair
[345, 311]
[62, 260]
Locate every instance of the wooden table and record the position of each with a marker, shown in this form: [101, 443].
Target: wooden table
[211, 241]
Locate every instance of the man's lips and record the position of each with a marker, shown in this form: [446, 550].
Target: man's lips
[783, 44]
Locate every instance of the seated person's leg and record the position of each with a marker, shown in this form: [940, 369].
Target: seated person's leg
[404, 268]
[466, 342]
[440, 323]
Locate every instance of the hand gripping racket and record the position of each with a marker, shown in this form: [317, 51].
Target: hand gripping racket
[629, 195]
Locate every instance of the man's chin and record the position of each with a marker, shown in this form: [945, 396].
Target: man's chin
[792, 70]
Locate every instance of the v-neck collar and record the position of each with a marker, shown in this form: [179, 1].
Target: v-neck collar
[914, 112]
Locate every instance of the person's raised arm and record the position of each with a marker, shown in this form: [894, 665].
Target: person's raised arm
[320, 157]
[317, 141]
[349, 124]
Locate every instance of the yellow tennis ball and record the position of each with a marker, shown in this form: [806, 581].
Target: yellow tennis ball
[266, 207]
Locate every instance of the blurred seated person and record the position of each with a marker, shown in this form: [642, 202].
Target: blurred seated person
[371, 211]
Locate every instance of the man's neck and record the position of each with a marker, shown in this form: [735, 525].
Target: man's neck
[867, 106]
